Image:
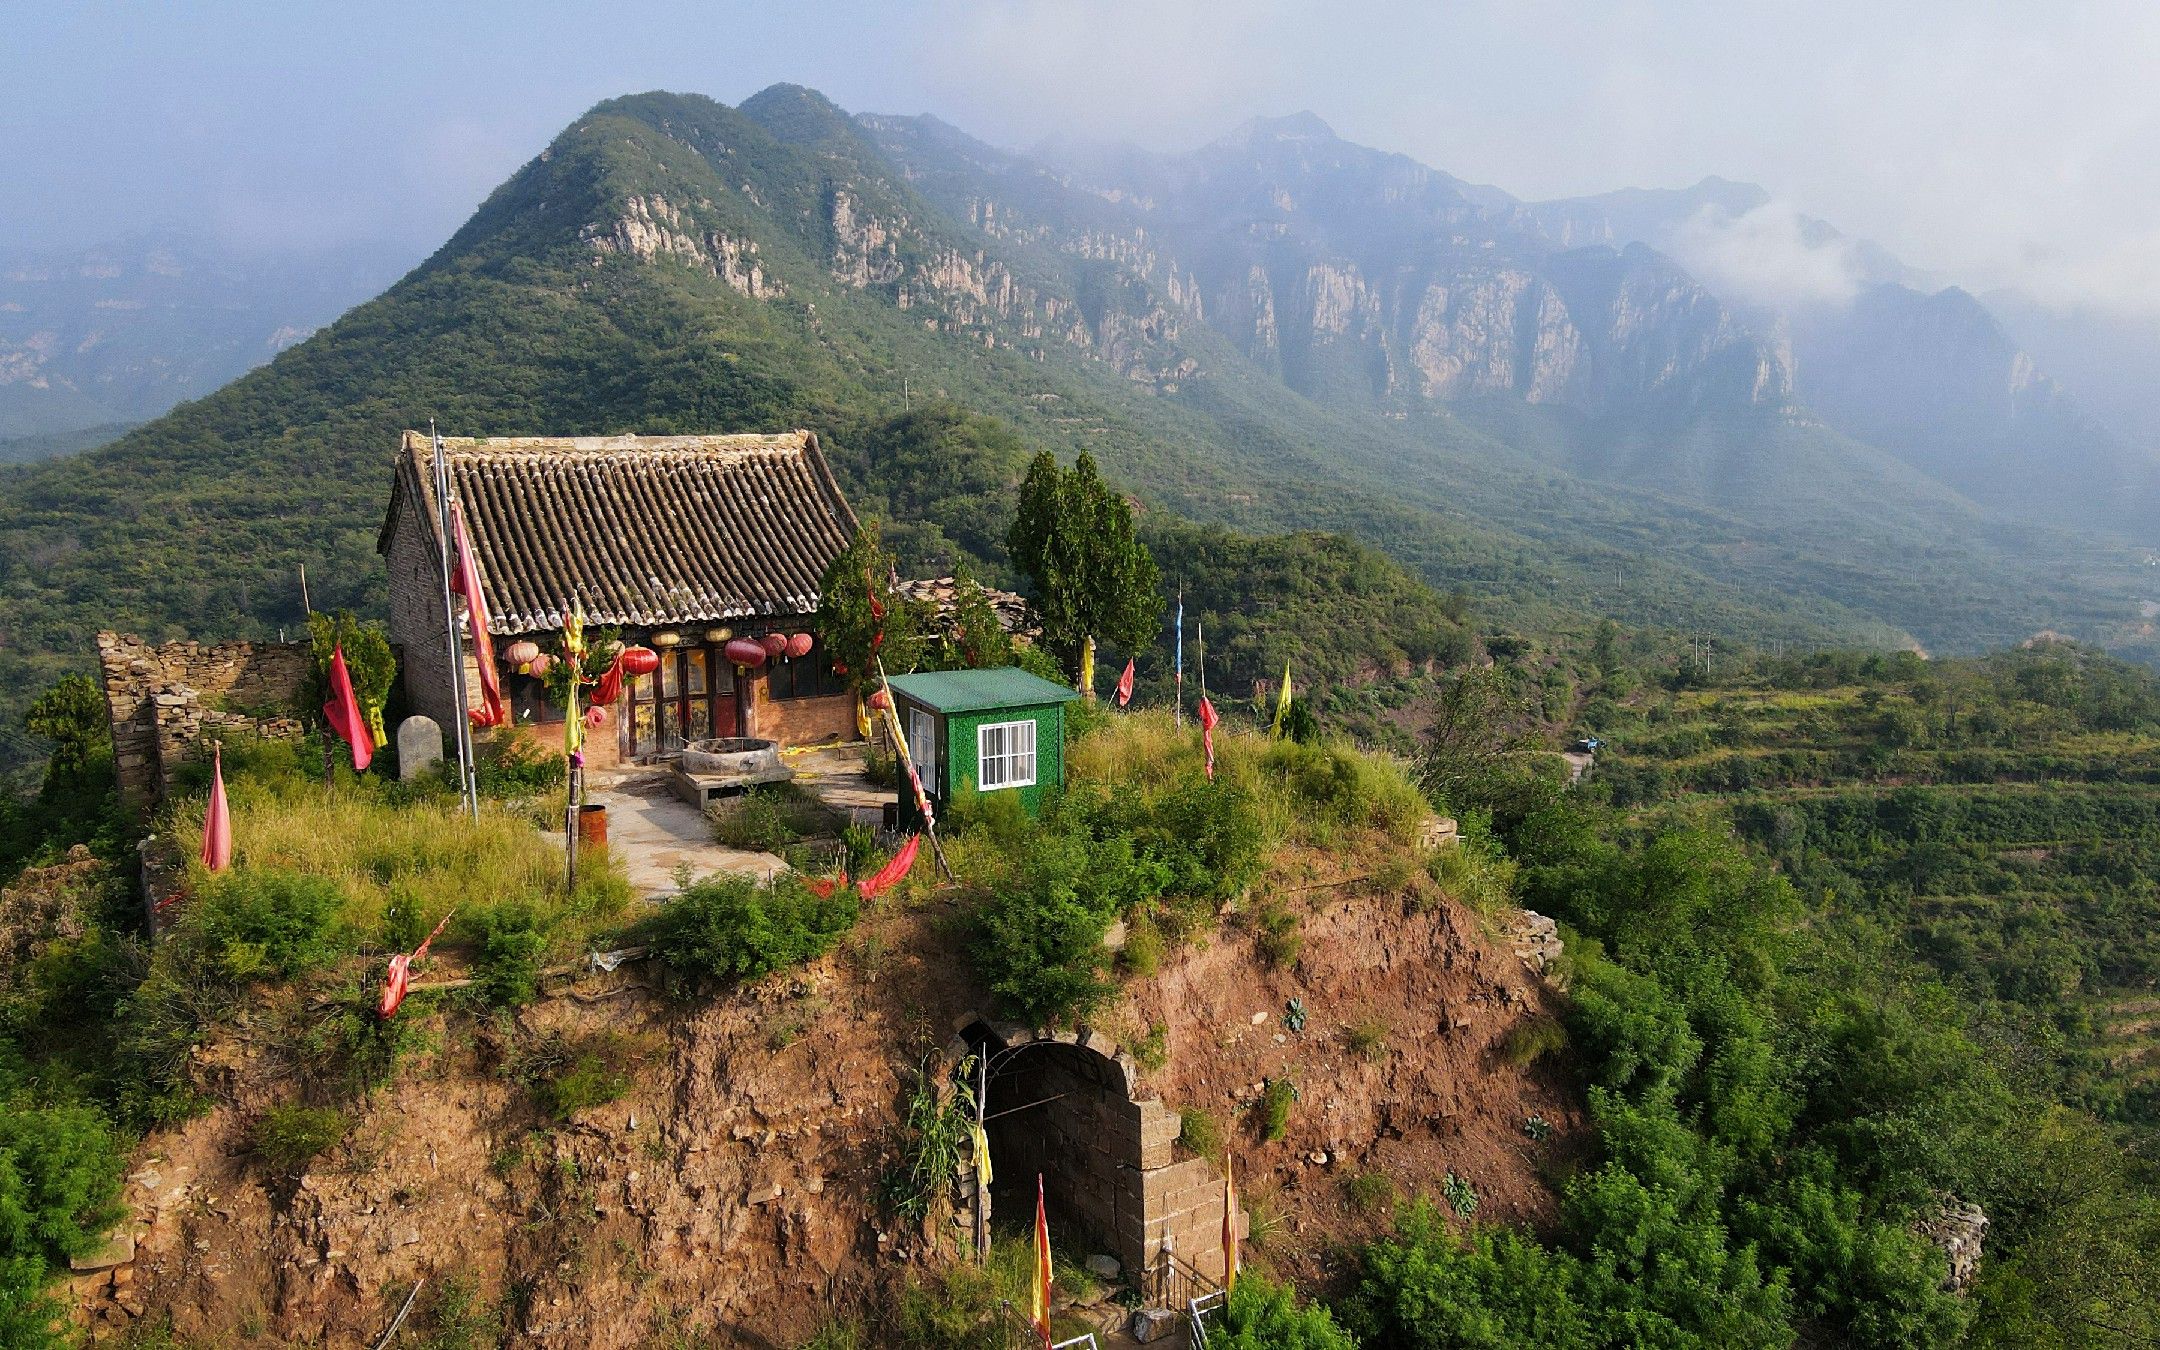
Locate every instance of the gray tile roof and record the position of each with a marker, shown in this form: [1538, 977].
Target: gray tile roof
[642, 529]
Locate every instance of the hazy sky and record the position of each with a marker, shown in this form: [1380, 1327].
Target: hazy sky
[1996, 141]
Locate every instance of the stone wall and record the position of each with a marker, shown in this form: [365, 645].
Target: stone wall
[164, 700]
[416, 621]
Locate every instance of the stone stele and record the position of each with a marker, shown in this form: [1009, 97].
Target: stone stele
[419, 747]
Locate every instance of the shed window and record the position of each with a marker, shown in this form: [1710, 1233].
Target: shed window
[922, 747]
[1005, 755]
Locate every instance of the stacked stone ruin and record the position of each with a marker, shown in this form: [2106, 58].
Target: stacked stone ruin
[167, 701]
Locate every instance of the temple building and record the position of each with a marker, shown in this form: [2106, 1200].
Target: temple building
[679, 543]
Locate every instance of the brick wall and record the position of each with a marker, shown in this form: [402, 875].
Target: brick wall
[165, 700]
[800, 721]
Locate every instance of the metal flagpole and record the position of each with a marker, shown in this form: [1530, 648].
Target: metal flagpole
[468, 793]
[1178, 703]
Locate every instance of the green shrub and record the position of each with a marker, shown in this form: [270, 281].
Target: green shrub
[733, 928]
[513, 944]
[1528, 1042]
[1039, 938]
[1461, 1196]
[288, 1138]
[1370, 1192]
[454, 1317]
[1275, 1102]
[1143, 951]
[1336, 783]
[262, 922]
[1199, 1131]
[1152, 1051]
[60, 1172]
[1368, 1037]
[590, 1080]
[1263, 1315]
[1278, 938]
[768, 819]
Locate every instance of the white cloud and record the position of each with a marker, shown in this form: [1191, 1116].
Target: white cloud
[1767, 257]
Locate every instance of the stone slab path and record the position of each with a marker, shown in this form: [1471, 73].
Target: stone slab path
[657, 834]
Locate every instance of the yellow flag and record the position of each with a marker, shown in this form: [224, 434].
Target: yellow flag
[1229, 1227]
[1282, 700]
[573, 640]
[982, 1157]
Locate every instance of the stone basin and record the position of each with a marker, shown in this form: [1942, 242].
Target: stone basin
[708, 770]
[731, 755]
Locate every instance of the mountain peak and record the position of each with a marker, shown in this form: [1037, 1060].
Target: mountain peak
[1298, 126]
[792, 112]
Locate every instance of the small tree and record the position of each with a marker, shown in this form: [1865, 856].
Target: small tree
[367, 659]
[1073, 538]
[861, 618]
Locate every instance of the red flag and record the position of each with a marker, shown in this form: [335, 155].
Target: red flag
[343, 712]
[1041, 1291]
[1207, 733]
[466, 582]
[894, 869]
[1124, 684]
[608, 687]
[217, 823]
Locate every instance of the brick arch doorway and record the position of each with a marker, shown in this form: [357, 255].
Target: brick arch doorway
[1064, 1106]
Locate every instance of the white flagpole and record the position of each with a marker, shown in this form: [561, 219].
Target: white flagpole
[468, 778]
[1177, 703]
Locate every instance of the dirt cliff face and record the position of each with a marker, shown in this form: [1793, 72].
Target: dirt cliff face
[732, 1191]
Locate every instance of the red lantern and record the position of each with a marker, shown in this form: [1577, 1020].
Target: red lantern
[596, 718]
[744, 652]
[640, 660]
[879, 701]
[800, 645]
[540, 665]
[521, 653]
[775, 644]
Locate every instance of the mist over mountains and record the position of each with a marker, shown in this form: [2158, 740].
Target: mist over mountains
[1541, 403]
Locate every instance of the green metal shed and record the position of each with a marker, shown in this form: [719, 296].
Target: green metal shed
[997, 730]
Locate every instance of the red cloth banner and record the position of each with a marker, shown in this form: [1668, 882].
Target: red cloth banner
[1207, 733]
[217, 822]
[608, 687]
[466, 582]
[1124, 684]
[398, 982]
[870, 887]
[343, 713]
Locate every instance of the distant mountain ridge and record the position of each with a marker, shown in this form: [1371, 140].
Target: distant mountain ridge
[118, 332]
[668, 263]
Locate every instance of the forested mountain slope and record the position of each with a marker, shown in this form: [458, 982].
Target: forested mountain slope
[671, 264]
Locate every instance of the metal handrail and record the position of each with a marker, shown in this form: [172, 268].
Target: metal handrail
[1196, 1311]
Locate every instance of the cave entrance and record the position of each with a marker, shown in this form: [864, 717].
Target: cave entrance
[1061, 1106]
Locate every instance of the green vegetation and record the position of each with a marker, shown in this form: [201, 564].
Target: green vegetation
[861, 620]
[936, 1136]
[732, 928]
[768, 819]
[1199, 1131]
[1263, 1315]
[1072, 538]
[288, 1138]
[1273, 1111]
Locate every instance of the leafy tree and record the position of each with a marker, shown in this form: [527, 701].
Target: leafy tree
[861, 619]
[1092, 578]
[368, 659]
[71, 714]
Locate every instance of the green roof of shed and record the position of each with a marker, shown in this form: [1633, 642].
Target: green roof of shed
[955, 691]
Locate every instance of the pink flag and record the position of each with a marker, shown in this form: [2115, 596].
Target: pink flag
[343, 713]
[398, 982]
[217, 823]
[466, 582]
[1124, 684]
[1207, 732]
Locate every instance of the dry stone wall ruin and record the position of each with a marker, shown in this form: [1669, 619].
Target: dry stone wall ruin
[165, 700]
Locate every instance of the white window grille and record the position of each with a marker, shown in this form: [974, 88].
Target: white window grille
[1005, 755]
[922, 746]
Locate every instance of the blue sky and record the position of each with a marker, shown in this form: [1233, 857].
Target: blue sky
[2010, 142]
